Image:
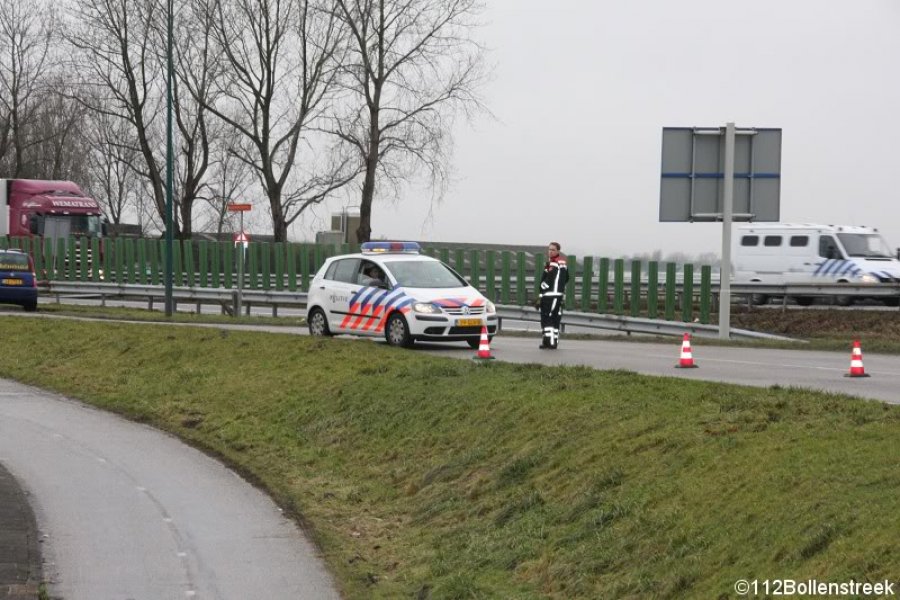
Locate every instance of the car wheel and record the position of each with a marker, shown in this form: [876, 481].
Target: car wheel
[397, 331]
[318, 323]
[30, 307]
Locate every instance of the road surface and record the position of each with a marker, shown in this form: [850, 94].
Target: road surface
[129, 513]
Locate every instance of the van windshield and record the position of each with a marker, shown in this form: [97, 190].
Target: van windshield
[865, 245]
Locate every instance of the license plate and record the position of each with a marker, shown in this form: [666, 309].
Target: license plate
[469, 322]
[12, 282]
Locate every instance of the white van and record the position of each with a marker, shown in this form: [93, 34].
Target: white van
[780, 253]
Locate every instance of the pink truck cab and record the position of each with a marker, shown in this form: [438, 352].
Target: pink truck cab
[49, 209]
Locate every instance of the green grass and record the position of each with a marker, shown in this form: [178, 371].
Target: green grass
[428, 477]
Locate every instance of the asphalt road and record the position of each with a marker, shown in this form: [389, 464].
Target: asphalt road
[126, 512]
[760, 367]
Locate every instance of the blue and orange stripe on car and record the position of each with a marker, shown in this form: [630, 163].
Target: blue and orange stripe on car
[372, 305]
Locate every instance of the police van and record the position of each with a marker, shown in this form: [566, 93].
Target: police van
[785, 253]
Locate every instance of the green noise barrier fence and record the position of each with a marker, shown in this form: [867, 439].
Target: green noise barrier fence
[603, 285]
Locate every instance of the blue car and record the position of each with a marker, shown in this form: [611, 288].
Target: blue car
[18, 284]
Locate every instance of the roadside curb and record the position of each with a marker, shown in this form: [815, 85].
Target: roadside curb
[20, 561]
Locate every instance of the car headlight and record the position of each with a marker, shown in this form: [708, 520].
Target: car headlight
[491, 309]
[426, 308]
[869, 278]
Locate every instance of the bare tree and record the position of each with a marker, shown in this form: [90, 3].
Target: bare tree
[58, 135]
[26, 35]
[283, 58]
[414, 66]
[122, 51]
[230, 180]
[112, 181]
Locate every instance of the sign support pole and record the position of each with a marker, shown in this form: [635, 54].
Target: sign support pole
[727, 217]
[239, 299]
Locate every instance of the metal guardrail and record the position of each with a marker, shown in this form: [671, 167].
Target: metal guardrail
[226, 297]
[632, 324]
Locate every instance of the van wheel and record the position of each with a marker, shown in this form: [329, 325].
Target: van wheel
[758, 299]
[843, 300]
[396, 332]
[891, 301]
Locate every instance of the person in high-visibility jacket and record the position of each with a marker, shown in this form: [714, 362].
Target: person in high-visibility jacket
[553, 288]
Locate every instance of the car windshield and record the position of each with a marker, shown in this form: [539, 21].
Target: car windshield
[10, 261]
[424, 274]
[867, 245]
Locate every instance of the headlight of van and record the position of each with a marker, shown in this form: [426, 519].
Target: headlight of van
[490, 308]
[869, 278]
[426, 308]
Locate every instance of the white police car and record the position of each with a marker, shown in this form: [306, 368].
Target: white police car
[413, 297]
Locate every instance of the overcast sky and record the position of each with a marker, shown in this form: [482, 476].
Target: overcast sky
[582, 90]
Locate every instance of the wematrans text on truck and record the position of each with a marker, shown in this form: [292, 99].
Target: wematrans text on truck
[787, 253]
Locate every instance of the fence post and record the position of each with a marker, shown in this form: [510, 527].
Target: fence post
[521, 284]
[619, 275]
[203, 274]
[292, 267]
[228, 264]
[505, 261]
[95, 259]
[304, 267]
[671, 272]
[635, 288]
[279, 266]
[652, 288]
[687, 293]
[83, 258]
[475, 275]
[587, 281]
[48, 258]
[538, 273]
[705, 292]
[490, 284]
[603, 286]
[177, 263]
[459, 261]
[572, 267]
[216, 270]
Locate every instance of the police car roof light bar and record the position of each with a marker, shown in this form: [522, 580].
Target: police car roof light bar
[407, 247]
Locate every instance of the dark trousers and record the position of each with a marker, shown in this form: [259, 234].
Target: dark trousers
[551, 317]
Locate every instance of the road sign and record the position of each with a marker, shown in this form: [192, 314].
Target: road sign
[233, 207]
[242, 237]
[693, 174]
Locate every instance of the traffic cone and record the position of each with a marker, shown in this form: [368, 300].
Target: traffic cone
[484, 348]
[687, 361]
[856, 365]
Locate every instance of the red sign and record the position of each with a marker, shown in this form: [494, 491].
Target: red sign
[241, 238]
[238, 207]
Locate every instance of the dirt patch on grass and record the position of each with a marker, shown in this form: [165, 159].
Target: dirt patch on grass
[820, 323]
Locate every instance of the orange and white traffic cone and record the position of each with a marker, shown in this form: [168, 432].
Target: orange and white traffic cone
[687, 360]
[484, 348]
[856, 364]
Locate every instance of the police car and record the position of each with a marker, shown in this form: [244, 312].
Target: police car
[390, 289]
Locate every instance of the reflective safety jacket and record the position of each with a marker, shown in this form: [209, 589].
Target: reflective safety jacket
[554, 277]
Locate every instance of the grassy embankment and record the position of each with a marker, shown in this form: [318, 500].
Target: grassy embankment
[434, 478]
